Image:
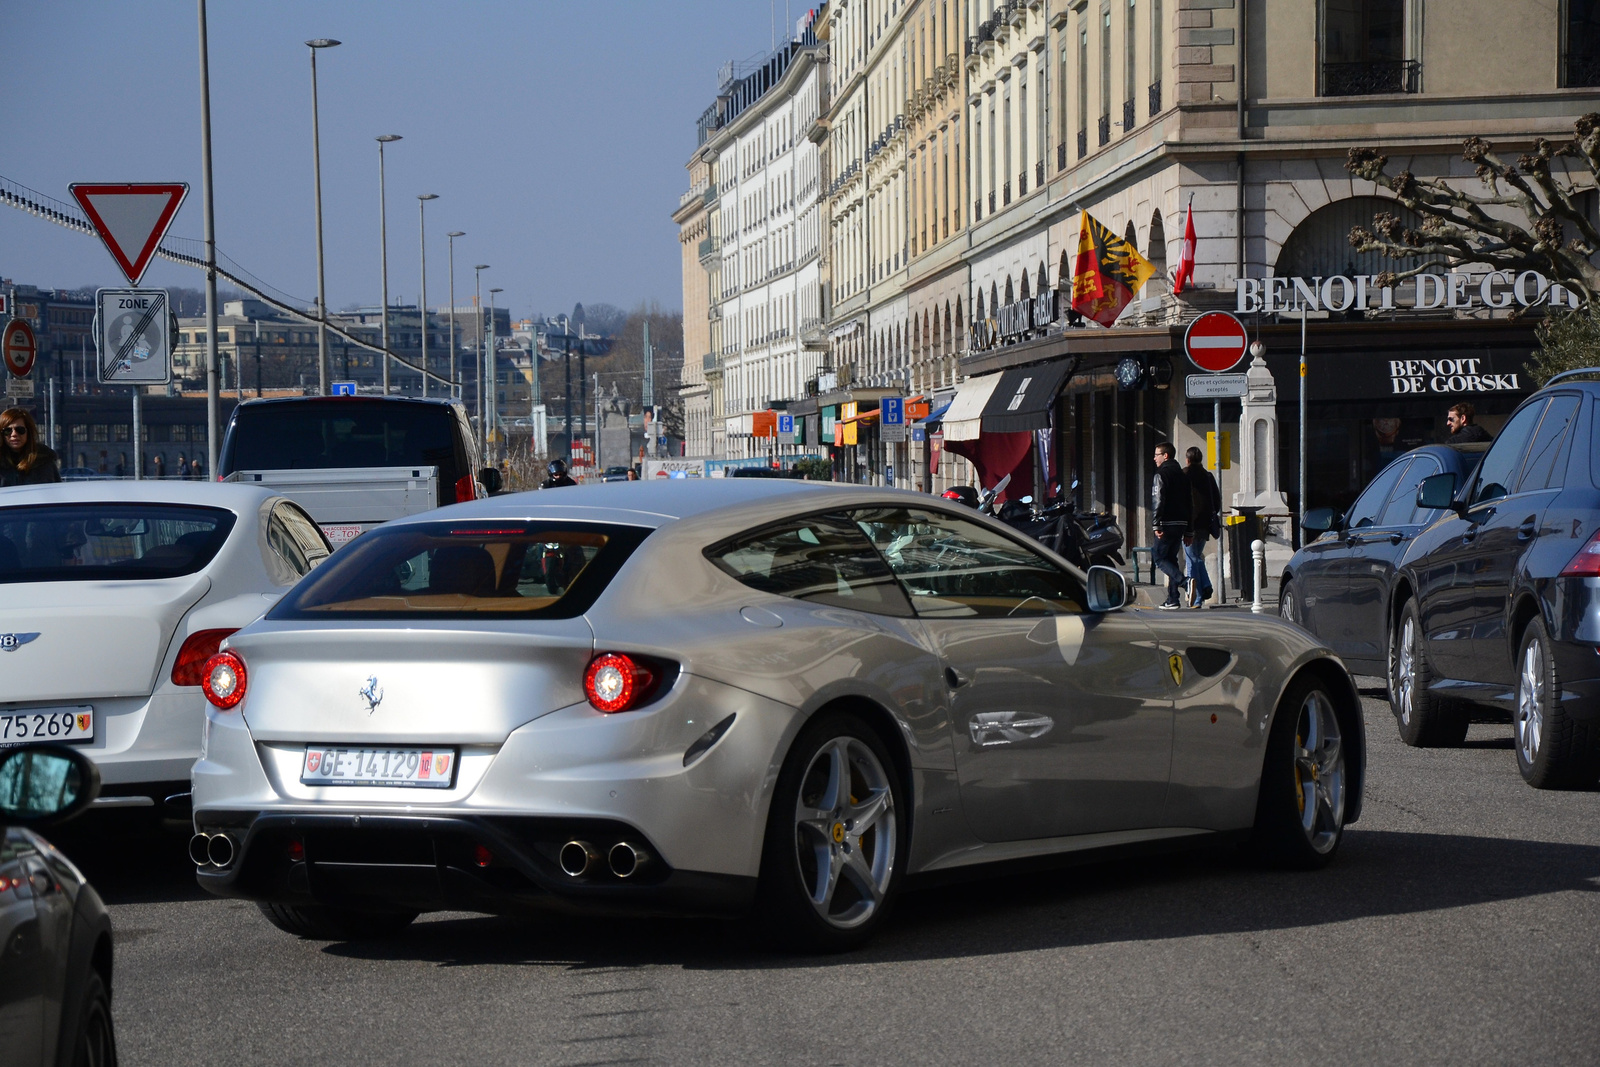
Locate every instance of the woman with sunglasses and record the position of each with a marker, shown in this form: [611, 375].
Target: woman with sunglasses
[23, 459]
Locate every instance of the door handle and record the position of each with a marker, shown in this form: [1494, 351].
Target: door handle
[1396, 537]
[1529, 527]
[952, 679]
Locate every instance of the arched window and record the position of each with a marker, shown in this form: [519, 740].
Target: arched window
[1064, 277]
[994, 299]
[1011, 294]
[1156, 250]
[1024, 294]
[1320, 244]
[979, 312]
[1044, 278]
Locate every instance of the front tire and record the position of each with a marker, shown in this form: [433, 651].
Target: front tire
[1554, 750]
[1425, 719]
[836, 845]
[1289, 603]
[1301, 804]
[95, 1041]
[322, 923]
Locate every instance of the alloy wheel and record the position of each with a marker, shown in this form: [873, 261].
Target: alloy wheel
[1530, 703]
[1287, 607]
[1319, 771]
[845, 832]
[1405, 670]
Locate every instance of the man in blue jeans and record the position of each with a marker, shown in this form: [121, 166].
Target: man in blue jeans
[1205, 520]
[1170, 500]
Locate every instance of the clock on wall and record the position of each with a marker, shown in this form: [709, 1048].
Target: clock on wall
[1130, 372]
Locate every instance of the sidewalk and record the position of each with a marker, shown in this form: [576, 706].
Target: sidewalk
[1144, 595]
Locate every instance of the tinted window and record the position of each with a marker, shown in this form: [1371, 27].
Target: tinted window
[284, 545]
[1499, 468]
[543, 570]
[952, 567]
[320, 433]
[100, 542]
[1370, 504]
[305, 532]
[1402, 508]
[825, 559]
[1546, 462]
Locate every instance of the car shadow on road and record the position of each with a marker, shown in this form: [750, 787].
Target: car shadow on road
[130, 859]
[1378, 873]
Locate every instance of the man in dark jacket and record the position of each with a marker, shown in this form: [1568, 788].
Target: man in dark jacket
[1463, 431]
[1205, 520]
[558, 476]
[1169, 498]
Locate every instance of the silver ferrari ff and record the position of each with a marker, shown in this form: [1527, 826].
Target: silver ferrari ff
[723, 697]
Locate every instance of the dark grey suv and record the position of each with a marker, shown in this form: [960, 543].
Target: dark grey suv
[1498, 603]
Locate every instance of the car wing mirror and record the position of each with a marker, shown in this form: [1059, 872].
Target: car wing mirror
[1438, 491]
[490, 477]
[1107, 589]
[45, 784]
[1321, 520]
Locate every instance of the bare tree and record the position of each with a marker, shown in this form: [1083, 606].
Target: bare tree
[1554, 235]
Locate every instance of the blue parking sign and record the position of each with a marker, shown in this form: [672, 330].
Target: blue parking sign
[892, 419]
[786, 429]
[343, 388]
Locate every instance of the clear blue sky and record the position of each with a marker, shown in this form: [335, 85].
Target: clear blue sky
[554, 133]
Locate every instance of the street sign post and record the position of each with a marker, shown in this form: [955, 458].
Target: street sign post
[131, 219]
[1216, 342]
[785, 429]
[892, 419]
[20, 347]
[342, 388]
[134, 337]
[1214, 386]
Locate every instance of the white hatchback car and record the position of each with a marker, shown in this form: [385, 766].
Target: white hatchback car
[112, 597]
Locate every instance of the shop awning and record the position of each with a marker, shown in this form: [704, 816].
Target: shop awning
[936, 414]
[1021, 401]
[962, 421]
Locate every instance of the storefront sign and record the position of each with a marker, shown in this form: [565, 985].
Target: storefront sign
[1014, 322]
[1449, 376]
[1397, 375]
[1215, 386]
[1495, 290]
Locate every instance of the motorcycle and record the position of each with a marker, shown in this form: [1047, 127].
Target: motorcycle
[1085, 539]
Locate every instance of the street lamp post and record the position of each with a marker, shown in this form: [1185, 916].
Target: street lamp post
[477, 307]
[455, 356]
[494, 374]
[316, 170]
[211, 251]
[383, 255]
[422, 230]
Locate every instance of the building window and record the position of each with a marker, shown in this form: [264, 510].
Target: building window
[1130, 67]
[1158, 62]
[1083, 92]
[1364, 48]
[1105, 76]
[1580, 44]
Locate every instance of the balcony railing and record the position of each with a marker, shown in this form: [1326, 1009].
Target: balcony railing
[1061, 156]
[1155, 99]
[1580, 70]
[1005, 189]
[991, 201]
[1128, 117]
[709, 247]
[1038, 174]
[1370, 79]
[1022, 185]
[1083, 143]
[1105, 130]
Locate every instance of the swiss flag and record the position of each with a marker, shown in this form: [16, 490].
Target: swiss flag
[1186, 256]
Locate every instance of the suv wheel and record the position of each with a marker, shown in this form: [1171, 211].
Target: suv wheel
[1425, 719]
[1554, 750]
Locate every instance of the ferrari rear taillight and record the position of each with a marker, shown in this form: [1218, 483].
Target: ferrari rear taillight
[615, 682]
[197, 648]
[466, 489]
[1586, 564]
[223, 680]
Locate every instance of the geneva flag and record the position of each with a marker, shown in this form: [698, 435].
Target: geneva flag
[1108, 272]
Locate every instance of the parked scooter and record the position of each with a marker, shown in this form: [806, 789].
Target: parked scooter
[1085, 539]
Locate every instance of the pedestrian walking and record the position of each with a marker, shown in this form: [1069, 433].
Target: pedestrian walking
[1205, 521]
[1463, 431]
[160, 464]
[24, 460]
[183, 466]
[1169, 498]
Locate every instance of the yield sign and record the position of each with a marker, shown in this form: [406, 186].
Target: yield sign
[19, 347]
[131, 219]
[1216, 341]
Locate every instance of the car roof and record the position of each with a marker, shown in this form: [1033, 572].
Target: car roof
[432, 401]
[238, 498]
[1452, 457]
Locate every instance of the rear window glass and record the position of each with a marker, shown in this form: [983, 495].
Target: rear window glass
[99, 542]
[543, 570]
[320, 434]
[821, 558]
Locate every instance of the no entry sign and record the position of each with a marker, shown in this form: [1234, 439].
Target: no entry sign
[1216, 342]
[20, 347]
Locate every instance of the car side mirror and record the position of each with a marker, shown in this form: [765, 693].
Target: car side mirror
[1321, 520]
[490, 477]
[1107, 589]
[1438, 491]
[42, 784]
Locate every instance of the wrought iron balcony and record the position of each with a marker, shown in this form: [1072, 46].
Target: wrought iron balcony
[709, 248]
[1370, 79]
[1578, 70]
[1061, 156]
[1128, 117]
[1155, 99]
[1105, 130]
[1083, 143]
[1038, 174]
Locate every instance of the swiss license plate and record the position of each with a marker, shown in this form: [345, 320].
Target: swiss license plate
[428, 768]
[31, 726]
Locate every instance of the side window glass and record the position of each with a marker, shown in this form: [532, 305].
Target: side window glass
[822, 559]
[1546, 464]
[305, 533]
[952, 567]
[1369, 505]
[1402, 508]
[283, 544]
[1498, 471]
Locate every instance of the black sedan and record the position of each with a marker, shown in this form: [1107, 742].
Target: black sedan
[1337, 586]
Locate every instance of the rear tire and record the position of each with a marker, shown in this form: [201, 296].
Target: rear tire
[94, 1043]
[1301, 804]
[1425, 719]
[836, 844]
[322, 923]
[1554, 750]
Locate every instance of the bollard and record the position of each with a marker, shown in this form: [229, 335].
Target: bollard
[1258, 552]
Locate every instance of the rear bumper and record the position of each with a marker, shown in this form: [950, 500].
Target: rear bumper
[502, 864]
[143, 742]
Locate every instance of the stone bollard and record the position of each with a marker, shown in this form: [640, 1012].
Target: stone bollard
[1258, 552]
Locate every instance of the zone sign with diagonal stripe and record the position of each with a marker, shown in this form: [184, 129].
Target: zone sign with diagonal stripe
[1216, 341]
[130, 218]
[134, 336]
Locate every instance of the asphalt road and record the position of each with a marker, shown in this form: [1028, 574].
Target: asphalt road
[1459, 924]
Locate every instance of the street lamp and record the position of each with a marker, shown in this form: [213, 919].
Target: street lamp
[455, 357]
[422, 229]
[477, 306]
[316, 170]
[383, 254]
[494, 375]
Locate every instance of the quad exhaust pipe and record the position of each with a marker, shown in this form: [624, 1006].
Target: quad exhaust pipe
[577, 857]
[627, 859]
[212, 850]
